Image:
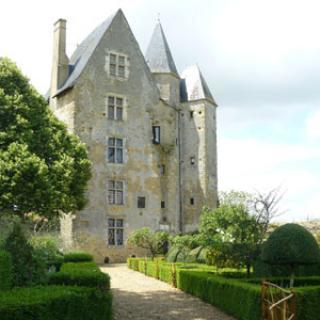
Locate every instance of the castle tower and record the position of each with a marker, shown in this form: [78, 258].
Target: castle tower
[198, 147]
[162, 66]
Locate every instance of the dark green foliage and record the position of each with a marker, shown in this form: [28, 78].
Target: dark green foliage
[285, 282]
[81, 278]
[308, 306]
[5, 271]
[239, 299]
[43, 168]
[291, 245]
[154, 242]
[77, 257]
[46, 249]
[27, 269]
[172, 254]
[55, 302]
[86, 274]
[193, 255]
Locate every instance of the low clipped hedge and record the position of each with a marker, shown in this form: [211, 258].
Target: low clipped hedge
[77, 257]
[242, 300]
[55, 302]
[308, 306]
[86, 274]
[133, 263]
[5, 271]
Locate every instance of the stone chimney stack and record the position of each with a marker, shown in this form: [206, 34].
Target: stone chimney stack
[60, 62]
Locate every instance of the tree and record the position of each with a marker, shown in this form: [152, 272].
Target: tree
[43, 168]
[154, 242]
[235, 230]
[291, 245]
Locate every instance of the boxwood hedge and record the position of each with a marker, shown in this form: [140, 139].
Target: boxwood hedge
[77, 257]
[55, 302]
[5, 270]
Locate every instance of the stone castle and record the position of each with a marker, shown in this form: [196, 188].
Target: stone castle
[150, 134]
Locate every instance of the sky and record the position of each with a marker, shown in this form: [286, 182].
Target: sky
[261, 60]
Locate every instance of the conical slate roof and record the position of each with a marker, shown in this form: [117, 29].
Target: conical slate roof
[158, 55]
[193, 86]
[84, 51]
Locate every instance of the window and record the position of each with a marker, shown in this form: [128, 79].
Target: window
[141, 202]
[156, 134]
[115, 150]
[191, 114]
[115, 232]
[192, 160]
[163, 204]
[162, 169]
[115, 108]
[115, 192]
[117, 65]
[192, 201]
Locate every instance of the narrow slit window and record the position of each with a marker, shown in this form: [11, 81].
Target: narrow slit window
[162, 169]
[156, 134]
[163, 204]
[192, 201]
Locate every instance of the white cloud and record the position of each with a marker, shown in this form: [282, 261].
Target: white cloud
[251, 164]
[313, 126]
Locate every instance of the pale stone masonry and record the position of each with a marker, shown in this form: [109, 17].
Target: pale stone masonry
[150, 134]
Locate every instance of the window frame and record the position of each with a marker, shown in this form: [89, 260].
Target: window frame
[156, 134]
[117, 62]
[115, 150]
[114, 193]
[114, 229]
[141, 202]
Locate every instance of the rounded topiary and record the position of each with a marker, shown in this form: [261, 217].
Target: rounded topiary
[291, 245]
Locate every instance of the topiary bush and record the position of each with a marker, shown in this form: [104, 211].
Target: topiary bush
[27, 268]
[5, 271]
[291, 245]
[77, 257]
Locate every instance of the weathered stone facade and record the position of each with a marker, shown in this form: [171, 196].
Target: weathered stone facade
[173, 177]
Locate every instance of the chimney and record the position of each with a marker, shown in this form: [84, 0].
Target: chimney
[60, 62]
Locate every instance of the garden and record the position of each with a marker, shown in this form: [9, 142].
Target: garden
[238, 263]
[38, 282]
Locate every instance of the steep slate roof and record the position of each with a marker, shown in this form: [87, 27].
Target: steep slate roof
[158, 55]
[193, 86]
[84, 51]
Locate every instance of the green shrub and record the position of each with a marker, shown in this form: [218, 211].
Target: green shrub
[47, 249]
[86, 274]
[5, 271]
[133, 263]
[308, 306]
[291, 245]
[193, 255]
[85, 266]
[55, 302]
[239, 299]
[172, 254]
[165, 273]
[81, 278]
[152, 269]
[27, 268]
[77, 257]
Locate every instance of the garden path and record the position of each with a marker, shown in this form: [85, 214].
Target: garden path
[138, 297]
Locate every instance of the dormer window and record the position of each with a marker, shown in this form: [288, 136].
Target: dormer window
[117, 65]
[156, 134]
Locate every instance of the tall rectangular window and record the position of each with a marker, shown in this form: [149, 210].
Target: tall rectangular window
[117, 65]
[162, 169]
[115, 192]
[163, 204]
[115, 150]
[115, 108]
[115, 232]
[156, 134]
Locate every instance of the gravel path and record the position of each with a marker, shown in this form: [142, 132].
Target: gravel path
[138, 297]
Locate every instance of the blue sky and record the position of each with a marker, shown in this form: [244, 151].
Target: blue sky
[261, 60]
